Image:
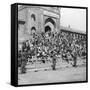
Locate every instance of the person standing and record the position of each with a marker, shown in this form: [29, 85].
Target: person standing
[74, 56]
[53, 60]
[23, 63]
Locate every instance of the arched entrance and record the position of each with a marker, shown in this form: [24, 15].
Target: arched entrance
[47, 29]
[50, 25]
[33, 30]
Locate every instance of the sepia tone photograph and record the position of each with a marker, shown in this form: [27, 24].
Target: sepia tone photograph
[52, 44]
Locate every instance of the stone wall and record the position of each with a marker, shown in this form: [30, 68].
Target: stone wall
[35, 16]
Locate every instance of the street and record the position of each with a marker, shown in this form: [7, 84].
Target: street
[60, 75]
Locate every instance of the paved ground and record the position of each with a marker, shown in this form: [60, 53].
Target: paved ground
[60, 75]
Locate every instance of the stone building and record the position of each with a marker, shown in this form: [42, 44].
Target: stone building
[37, 19]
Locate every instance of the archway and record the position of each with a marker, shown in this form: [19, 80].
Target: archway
[50, 20]
[33, 30]
[47, 29]
[50, 24]
[33, 17]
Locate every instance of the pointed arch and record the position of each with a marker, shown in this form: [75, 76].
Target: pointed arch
[50, 20]
[33, 17]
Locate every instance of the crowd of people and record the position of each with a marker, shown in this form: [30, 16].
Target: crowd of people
[44, 46]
